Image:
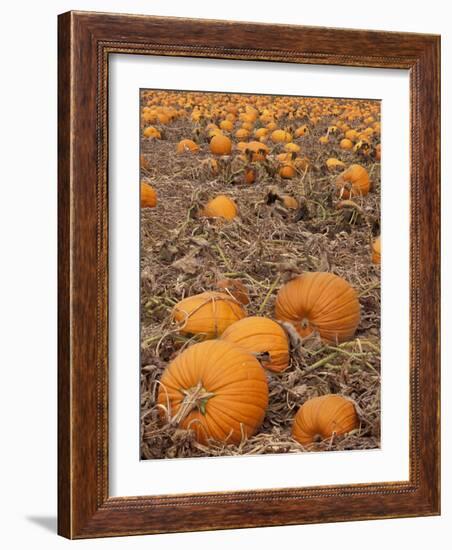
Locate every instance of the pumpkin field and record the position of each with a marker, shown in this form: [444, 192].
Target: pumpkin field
[260, 274]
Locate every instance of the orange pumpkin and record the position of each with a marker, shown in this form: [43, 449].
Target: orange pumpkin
[258, 149]
[148, 195]
[290, 202]
[281, 136]
[334, 164]
[216, 389]
[187, 146]
[236, 288]
[250, 175]
[220, 145]
[287, 171]
[346, 144]
[220, 207]
[322, 417]
[261, 336]
[319, 302]
[376, 251]
[207, 314]
[151, 132]
[353, 182]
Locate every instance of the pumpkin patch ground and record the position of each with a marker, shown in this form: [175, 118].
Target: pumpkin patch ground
[260, 287]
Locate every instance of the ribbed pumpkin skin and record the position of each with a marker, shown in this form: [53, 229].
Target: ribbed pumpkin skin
[376, 251]
[353, 182]
[321, 302]
[261, 335]
[220, 207]
[148, 196]
[320, 417]
[234, 376]
[208, 313]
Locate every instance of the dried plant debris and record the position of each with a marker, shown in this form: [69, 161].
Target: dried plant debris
[267, 244]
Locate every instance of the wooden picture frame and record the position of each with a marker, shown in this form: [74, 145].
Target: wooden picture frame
[86, 40]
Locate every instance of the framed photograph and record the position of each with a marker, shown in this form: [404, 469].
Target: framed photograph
[248, 275]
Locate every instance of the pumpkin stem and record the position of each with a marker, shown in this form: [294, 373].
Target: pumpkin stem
[196, 397]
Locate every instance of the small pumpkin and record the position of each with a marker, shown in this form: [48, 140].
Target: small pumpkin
[334, 164]
[353, 182]
[227, 125]
[281, 136]
[207, 314]
[220, 207]
[319, 302]
[287, 171]
[290, 202]
[236, 288]
[148, 195]
[187, 146]
[376, 251]
[151, 132]
[220, 145]
[292, 147]
[263, 337]
[258, 149]
[346, 144]
[322, 417]
[250, 175]
[216, 389]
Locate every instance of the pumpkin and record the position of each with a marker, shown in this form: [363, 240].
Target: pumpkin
[281, 136]
[287, 171]
[292, 147]
[216, 389]
[290, 202]
[207, 314]
[220, 207]
[376, 251]
[151, 132]
[258, 149]
[250, 175]
[319, 302]
[334, 164]
[324, 139]
[235, 288]
[242, 133]
[226, 125]
[346, 144]
[322, 417]
[220, 145]
[263, 337]
[187, 146]
[353, 182]
[352, 135]
[301, 131]
[148, 195]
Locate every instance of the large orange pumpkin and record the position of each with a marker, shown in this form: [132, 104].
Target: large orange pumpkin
[207, 314]
[321, 417]
[220, 207]
[261, 336]
[148, 195]
[319, 302]
[220, 145]
[216, 389]
[353, 182]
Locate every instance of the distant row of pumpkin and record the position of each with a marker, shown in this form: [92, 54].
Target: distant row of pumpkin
[218, 388]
